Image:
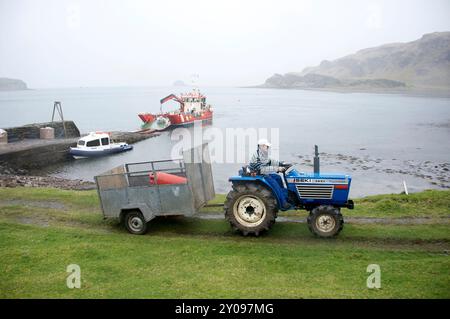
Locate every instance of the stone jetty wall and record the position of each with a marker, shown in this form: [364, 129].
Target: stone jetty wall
[38, 156]
[31, 131]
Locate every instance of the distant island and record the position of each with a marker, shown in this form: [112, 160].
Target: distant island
[179, 83]
[421, 65]
[7, 84]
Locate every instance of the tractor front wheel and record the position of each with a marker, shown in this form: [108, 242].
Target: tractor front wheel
[325, 221]
[250, 208]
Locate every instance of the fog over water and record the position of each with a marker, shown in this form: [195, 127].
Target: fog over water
[380, 139]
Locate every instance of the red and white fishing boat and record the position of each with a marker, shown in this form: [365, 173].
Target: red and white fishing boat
[193, 108]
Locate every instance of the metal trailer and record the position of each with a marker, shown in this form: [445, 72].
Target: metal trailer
[126, 192]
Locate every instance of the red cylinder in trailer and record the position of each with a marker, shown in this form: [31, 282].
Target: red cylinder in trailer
[164, 179]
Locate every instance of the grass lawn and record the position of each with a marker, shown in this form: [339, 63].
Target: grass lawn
[44, 230]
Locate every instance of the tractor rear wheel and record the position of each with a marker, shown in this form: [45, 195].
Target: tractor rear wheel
[250, 208]
[325, 221]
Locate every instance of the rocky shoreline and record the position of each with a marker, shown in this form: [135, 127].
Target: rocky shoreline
[435, 173]
[44, 181]
[14, 177]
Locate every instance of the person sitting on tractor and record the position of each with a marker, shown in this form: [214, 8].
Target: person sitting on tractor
[260, 162]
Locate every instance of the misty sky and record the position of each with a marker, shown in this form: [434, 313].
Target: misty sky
[227, 43]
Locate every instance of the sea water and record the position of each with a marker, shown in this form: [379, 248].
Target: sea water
[380, 139]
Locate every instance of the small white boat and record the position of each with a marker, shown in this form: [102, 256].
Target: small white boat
[97, 144]
[161, 123]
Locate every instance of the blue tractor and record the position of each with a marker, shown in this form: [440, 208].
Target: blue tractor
[252, 205]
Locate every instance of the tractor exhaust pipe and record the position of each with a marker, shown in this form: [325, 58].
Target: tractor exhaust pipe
[316, 160]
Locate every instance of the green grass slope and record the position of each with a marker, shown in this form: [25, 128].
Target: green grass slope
[44, 230]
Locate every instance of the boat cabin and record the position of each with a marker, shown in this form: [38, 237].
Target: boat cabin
[94, 139]
[193, 102]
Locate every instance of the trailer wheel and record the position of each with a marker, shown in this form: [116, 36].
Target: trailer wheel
[325, 221]
[250, 208]
[135, 223]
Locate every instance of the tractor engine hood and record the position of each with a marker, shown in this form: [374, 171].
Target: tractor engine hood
[295, 176]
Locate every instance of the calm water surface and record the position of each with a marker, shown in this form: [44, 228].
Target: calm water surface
[380, 139]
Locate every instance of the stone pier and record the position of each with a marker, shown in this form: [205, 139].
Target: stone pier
[25, 150]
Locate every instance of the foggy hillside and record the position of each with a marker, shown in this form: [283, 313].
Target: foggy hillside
[422, 64]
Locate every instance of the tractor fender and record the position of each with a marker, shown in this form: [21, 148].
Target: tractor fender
[259, 180]
[142, 207]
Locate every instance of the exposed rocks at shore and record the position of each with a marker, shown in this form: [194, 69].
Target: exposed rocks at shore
[6, 169]
[437, 174]
[437, 125]
[44, 181]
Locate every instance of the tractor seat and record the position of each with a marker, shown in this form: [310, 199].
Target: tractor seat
[245, 171]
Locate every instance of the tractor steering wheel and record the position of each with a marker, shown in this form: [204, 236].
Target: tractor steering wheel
[289, 167]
